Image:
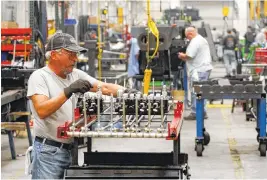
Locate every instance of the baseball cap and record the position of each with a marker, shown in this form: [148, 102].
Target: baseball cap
[62, 40]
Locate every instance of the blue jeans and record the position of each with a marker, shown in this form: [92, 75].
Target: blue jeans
[49, 162]
[202, 76]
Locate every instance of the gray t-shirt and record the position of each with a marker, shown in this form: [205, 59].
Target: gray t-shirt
[44, 81]
[198, 49]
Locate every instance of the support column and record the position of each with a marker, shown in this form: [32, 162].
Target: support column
[241, 22]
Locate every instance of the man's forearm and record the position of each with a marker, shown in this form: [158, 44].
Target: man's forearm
[186, 57]
[48, 107]
[109, 89]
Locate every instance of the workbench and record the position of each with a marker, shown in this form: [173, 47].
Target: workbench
[19, 112]
[142, 116]
[240, 91]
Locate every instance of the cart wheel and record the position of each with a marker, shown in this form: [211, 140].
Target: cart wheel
[206, 138]
[263, 149]
[187, 173]
[199, 149]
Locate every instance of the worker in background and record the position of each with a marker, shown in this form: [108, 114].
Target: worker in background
[249, 39]
[261, 38]
[198, 63]
[216, 35]
[238, 54]
[50, 92]
[90, 35]
[229, 55]
[235, 34]
[133, 64]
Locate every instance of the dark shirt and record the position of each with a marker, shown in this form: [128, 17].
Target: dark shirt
[230, 42]
[249, 37]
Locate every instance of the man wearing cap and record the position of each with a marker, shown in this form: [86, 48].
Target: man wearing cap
[50, 92]
[198, 64]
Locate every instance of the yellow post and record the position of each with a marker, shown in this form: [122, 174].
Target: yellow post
[120, 15]
[265, 8]
[251, 10]
[99, 57]
[258, 9]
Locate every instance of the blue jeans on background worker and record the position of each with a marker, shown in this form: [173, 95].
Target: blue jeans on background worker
[229, 58]
[49, 162]
[202, 76]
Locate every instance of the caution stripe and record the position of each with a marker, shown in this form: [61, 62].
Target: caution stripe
[235, 156]
[219, 105]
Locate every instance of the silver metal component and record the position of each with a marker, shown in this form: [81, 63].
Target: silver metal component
[164, 91]
[99, 95]
[123, 112]
[161, 110]
[119, 93]
[254, 65]
[124, 82]
[131, 96]
[108, 134]
[149, 114]
[153, 80]
[158, 96]
[129, 119]
[72, 128]
[172, 96]
[109, 125]
[138, 95]
[112, 52]
[136, 113]
[77, 123]
[145, 96]
[138, 121]
[73, 110]
[84, 112]
[111, 112]
[105, 80]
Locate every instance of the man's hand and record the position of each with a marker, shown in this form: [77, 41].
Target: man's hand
[182, 56]
[80, 85]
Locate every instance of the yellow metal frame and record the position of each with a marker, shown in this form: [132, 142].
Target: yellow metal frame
[154, 30]
[258, 9]
[99, 44]
[251, 9]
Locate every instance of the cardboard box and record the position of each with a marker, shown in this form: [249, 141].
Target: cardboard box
[9, 24]
[92, 20]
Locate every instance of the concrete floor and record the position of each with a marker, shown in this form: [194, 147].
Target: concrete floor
[231, 154]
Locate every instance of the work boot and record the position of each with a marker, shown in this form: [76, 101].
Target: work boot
[192, 116]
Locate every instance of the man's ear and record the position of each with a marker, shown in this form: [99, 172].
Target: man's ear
[53, 55]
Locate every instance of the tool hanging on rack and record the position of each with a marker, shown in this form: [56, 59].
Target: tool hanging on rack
[152, 28]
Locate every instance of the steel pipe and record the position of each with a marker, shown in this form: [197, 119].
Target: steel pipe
[254, 65]
[112, 52]
[108, 134]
